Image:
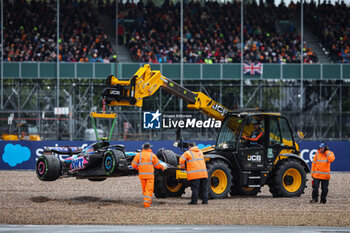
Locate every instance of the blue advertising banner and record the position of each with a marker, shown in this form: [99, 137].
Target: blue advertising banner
[23, 154]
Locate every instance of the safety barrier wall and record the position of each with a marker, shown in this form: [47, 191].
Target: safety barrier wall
[23, 154]
[38, 70]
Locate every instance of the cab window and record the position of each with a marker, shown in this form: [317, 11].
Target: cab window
[286, 132]
[275, 132]
[227, 136]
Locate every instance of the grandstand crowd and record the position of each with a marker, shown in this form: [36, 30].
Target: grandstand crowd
[152, 33]
[30, 32]
[331, 24]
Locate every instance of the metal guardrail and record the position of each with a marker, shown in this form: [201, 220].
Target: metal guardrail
[39, 70]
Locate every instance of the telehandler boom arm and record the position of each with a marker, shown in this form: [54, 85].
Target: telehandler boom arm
[145, 83]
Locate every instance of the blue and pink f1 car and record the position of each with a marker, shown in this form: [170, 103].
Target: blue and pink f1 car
[101, 160]
[95, 162]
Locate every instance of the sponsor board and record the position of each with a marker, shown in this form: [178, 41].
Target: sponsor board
[23, 154]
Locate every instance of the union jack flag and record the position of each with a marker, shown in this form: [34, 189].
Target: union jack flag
[252, 68]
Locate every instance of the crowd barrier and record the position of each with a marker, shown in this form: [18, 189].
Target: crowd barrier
[19, 155]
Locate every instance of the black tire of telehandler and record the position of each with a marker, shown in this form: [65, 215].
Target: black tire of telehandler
[246, 191]
[159, 187]
[234, 188]
[220, 179]
[272, 188]
[48, 168]
[237, 190]
[165, 186]
[278, 180]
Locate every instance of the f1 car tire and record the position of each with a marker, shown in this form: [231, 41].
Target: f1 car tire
[167, 156]
[109, 162]
[48, 168]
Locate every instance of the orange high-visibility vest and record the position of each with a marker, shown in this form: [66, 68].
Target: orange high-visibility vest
[321, 165]
[144, 162]
[195, 164]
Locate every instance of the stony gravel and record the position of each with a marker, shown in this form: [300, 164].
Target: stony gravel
[118, 201]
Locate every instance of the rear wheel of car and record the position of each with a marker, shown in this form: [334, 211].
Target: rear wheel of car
[167, 156]
[109, 162]
[48, 168]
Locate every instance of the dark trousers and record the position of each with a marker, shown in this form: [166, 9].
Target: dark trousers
[324, 188]
[199, 186]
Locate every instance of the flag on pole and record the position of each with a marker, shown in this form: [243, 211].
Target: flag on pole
[252, 68]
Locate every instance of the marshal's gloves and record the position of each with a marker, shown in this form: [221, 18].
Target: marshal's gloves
[164, 165]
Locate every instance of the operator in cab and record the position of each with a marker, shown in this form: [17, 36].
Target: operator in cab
[256, 136]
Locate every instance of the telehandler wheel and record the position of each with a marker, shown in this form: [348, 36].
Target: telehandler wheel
[247, 191]
[244, 191]
[220, 179]
[234, 188]
[159, 185]
[48, 168]
[167, 186]
[272, 189]
[173, 187]
[289, 179]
